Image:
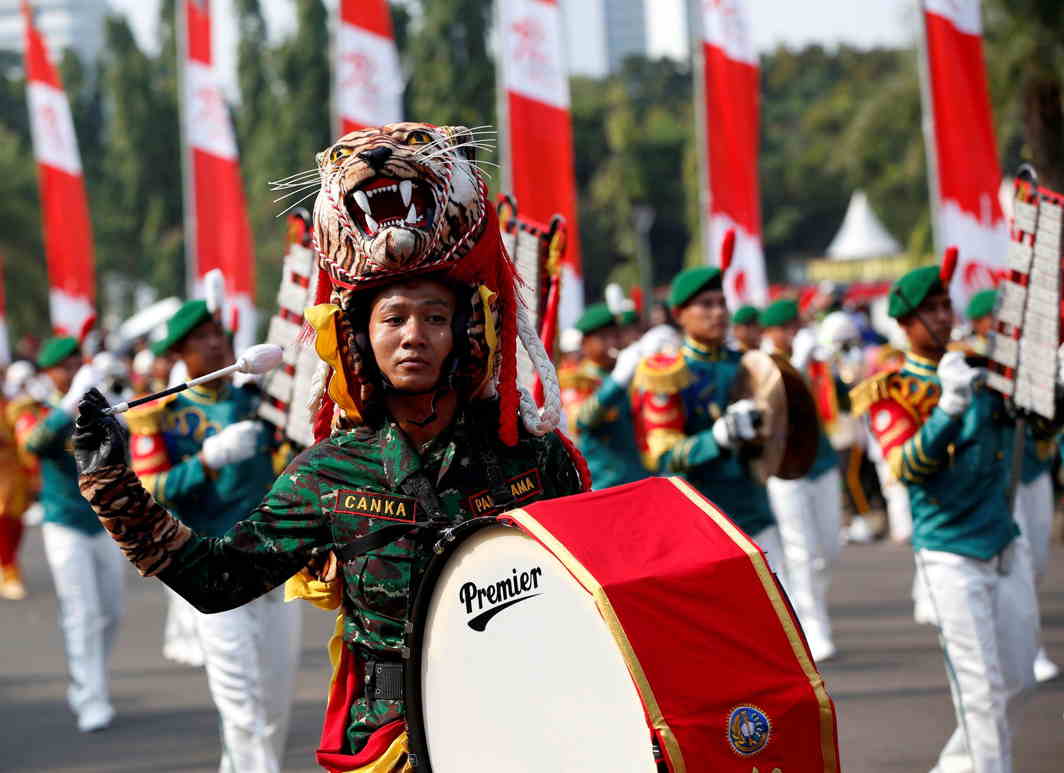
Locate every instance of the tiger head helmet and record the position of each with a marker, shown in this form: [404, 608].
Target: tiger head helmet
[400, 199]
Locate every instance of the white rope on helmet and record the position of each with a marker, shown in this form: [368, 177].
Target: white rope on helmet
[538, 421]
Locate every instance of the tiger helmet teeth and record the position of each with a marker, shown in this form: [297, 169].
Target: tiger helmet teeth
[398, 198]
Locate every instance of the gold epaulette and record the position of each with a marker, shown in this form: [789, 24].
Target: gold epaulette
[869, 391]
[914, 395]
[576, 377]
[662, 374]
[148, 419]
[19, 406]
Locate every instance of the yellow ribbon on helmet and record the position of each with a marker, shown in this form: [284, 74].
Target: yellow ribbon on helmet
[323, 319]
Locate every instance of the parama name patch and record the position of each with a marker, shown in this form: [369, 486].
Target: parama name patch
[522, 487]
[375, 505]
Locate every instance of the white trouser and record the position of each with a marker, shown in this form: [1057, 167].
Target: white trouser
[768, 539]
[89, 576]
[1034, 514]
[899, 516]
[181, 643]
[988, 623]
[809, 513]
[251, 654]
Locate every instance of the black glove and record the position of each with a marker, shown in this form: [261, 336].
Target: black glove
[99, 440]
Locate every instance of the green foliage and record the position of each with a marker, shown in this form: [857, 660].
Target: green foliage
[452, 78]
[631, 136]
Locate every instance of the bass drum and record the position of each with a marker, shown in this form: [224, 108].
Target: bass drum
[518, 670]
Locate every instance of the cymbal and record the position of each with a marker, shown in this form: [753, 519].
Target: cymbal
[789, 430]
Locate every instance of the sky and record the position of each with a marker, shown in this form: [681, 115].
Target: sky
[829, 22]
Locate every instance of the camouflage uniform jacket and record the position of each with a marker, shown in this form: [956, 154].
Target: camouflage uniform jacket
[334, 492]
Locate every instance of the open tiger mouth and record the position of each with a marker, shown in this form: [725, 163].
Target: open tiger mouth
[383, 202]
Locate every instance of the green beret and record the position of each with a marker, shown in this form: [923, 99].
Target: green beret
[910, 290]
[781, 312]
[629, 317]
[55, 350]
[687, 284]
[745, 315]
[981, 304]
[184, 321]
[595, 317]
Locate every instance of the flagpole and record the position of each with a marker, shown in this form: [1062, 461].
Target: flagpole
[334, 79]
[501, 105]
[187, 179]
[701, 133]
[928, 124]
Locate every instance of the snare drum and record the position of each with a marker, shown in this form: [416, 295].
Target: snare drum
[582, 634]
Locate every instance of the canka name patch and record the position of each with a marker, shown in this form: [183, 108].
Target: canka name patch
[522, 487]
[374, 505]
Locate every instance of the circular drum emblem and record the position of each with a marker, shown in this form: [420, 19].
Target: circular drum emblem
[748, 730]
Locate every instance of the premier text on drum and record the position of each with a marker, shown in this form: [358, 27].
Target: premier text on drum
[498, 592]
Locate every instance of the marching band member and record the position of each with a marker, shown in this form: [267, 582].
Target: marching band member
[1034, 495]
[421, 425]
[203, 455]
[688, 426]
[86, 566]
[595, 396]
[746, 330]
[19, 474]
[949, 441]
[808, 510]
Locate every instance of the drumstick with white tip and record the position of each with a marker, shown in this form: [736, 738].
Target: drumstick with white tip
[255, 361]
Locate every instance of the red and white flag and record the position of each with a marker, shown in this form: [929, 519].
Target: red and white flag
[538, 137]
[730, 117]
[959, 135]
[369, 82]
[217, 230]
[64, 207]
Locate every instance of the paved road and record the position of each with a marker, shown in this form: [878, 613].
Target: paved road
[888, 682]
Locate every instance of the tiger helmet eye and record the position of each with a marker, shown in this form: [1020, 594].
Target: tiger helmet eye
[339, 153]
[418, 137]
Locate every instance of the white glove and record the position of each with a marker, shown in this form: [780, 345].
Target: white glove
[627, 361]
[957, 378]
[236, 443]
[40, 388]
[85, 379]
[737, 425]
[1060, 365]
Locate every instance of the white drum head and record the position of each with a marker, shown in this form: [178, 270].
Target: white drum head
[519, 671]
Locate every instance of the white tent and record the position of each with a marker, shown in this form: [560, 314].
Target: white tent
[861, 235]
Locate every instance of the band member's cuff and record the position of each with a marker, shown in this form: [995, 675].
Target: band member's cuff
[147, 534]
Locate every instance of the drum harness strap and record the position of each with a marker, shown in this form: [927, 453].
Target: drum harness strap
[384, 680]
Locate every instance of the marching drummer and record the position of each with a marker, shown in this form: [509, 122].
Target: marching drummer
[948, 440]
[595, 396]
[688, 427]
[808, 509]
[418, 432]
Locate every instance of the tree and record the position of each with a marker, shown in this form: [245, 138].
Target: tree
[453, 78]
[1025, 58]
[137, 211]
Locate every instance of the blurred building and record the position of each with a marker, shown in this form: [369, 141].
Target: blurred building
[601, 33]
[76, 24]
